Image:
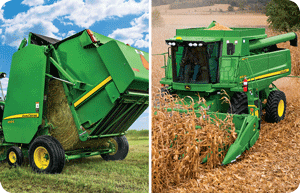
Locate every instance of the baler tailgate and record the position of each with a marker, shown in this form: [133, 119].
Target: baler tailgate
[120, 118]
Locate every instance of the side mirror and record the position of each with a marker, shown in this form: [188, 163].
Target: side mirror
[2, 75]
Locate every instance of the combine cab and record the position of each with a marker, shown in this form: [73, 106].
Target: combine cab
[70, 99]
[241, 61]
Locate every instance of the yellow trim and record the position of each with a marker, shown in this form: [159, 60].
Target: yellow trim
[270, 74]
[26, 115]
[252, 106]
[280, 108]
[178, 38]
[87, 95]
[41, 157]
[113, 141]
[12, 157]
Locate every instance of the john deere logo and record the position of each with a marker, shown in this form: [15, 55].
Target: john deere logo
[187, 87]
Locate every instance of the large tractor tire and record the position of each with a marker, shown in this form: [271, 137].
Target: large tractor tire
[46, 155]
[122, 148]
[276, 106]
[14, 156]
[239, 104]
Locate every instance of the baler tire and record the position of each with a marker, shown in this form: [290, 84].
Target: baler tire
[239, 104]
[276, 102]
[14, 156]
[50, 147]
[122, 150]
[61, 151]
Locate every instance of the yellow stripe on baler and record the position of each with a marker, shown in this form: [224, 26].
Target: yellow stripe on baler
[26, 115]
[87, 95]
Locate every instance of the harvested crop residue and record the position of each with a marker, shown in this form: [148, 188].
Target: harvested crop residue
[178, 148]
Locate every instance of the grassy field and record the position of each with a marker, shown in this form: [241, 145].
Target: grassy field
[91, 174]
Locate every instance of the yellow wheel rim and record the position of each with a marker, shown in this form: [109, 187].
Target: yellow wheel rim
[41, 157]
[280, 108]
[12, 157]
[116, 146]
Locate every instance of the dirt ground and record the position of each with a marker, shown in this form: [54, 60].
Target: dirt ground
[272, 164]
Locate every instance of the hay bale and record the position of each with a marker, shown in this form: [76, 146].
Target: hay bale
[60, 116]
[219, 27]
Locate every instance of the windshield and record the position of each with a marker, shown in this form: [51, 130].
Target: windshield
[197, 65]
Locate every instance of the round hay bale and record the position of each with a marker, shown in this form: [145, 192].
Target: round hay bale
[60, 116]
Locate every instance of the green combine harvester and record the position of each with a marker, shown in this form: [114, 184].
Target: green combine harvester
[70, 99]
[241, 61]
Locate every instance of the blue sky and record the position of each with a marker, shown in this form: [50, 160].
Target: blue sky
[127, 21]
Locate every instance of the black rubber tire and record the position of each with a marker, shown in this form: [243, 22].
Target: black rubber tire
[239, 104]
[18, 156]
[272, 114]
[122, 149]
[62, 152]
[55, 152]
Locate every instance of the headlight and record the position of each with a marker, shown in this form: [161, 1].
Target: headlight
[190, 44]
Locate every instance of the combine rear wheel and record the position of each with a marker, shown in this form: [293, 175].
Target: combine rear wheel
[276, 106]
[14, 156]
[46, 155]
[122, 148]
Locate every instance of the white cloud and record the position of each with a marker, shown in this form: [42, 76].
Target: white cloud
[136, 35]
[33, 2]
[83, 14]
[4, 83]
[72, 32]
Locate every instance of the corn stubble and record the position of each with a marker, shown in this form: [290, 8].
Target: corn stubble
[178, 148]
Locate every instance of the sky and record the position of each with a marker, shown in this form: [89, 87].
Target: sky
[126, 21]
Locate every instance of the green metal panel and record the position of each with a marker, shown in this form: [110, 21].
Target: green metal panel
[124, 64]
[253, 66]
[228, 69]
[280, 60]
[25, 89]
[236, 32]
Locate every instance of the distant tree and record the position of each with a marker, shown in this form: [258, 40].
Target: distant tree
[283, 15]
[233, 4]
[156, 18]
[230, 8]
[242, 4]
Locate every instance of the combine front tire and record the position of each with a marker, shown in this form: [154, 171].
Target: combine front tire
[122, 148]
[46, 155]
[14, 156]
[276, 106]
[239, 104]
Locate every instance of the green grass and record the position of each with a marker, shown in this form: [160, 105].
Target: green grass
[137, 134]
[91, 174]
